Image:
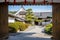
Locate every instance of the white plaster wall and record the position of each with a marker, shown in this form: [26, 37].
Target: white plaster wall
[39, 0]
[11, 0]
[11, 20]
[21, 16]
[45, 14]
[42, 14]
[2, 0]
[19, 0]
[56, 1]
[29, 0]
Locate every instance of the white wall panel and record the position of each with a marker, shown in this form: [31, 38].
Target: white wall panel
[2, 0]
[19, 0]
[57, 1]
[29, 0]
[11, 0]
[39, 0]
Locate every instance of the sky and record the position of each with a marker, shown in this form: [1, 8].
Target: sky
[35, 8]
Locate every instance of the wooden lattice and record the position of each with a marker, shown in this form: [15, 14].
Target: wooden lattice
[34, 2]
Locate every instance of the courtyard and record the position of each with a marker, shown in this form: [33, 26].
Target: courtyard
[31, 33]
[4, 18]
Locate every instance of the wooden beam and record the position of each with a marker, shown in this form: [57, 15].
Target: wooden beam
[14, 1]
[3, 21]
[44, 2]
[56, 21]
[34, 1]
[25, 1]
[30, 3]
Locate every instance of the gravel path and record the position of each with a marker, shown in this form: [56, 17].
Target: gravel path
[32, 33]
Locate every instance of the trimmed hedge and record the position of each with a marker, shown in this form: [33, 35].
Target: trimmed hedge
[48, 28]
[17, 26]
[39, 20]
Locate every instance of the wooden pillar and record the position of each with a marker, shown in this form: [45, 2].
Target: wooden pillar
[3, 21]
[56, 21]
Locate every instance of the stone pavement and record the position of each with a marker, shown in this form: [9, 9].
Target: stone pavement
[35, 33]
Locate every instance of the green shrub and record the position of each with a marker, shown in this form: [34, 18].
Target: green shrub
[22, 26]
[37, 20]
[48, 29]
[12, 30]
[17, 26]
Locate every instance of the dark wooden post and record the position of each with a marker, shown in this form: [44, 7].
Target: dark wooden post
[44, 1]
[34, 1]
[25, 1]
[3, 21]
[56, 21]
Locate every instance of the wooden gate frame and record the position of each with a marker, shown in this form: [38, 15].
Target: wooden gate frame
[4, 19]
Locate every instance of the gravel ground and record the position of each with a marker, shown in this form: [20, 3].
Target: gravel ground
[31, 33]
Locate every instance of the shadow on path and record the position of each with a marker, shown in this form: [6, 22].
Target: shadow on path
[27, 36]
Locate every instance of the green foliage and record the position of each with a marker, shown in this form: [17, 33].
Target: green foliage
[14, 25]
[29, 11]
[29, 15]
[12, 12]
[48, 29]
[12, 30]
[17, 26]
[23, 26]
[39, 20]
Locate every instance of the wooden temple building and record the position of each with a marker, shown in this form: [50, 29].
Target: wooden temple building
[4, 15]
[18, 16]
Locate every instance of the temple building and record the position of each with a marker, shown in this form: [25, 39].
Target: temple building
[19, 15]
[4, 16]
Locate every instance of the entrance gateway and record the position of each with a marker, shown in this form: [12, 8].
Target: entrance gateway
[4, 14]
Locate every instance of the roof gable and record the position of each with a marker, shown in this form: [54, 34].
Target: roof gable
[21, 11]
